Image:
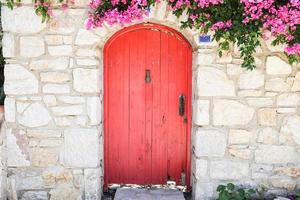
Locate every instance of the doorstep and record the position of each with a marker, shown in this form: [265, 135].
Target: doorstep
[148, 194]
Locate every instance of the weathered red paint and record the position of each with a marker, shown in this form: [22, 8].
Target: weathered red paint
[146, 140]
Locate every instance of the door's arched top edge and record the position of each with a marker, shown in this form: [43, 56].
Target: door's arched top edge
[148, 25]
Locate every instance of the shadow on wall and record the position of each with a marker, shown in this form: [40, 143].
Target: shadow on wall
[2, 62]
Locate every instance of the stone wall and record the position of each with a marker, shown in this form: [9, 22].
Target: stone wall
[246, 124]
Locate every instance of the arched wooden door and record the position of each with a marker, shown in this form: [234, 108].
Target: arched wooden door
[147, 100]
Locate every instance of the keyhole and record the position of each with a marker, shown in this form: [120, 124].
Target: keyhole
[148, 76]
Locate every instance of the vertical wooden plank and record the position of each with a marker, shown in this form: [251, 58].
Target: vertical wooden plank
[137, 140]
[117, 92]
[158, 164]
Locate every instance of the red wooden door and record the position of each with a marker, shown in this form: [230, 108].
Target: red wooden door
[147, 81]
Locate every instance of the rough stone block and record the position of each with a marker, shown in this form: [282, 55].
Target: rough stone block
[21, 20]
[17, 155]
[239, 136]
[31, 46]
[56, 89]
[60, 63]
[231, 112]
[211, 143]
[267, 117]
[93, 184]
[251, 80]
[81, 148]
[54, 77]
[8, 45]
[86, 80]
[291, 127]
[201, 112]
[276, 66]
[277, 85]
[61, 50]
[68, 110]
[35, 115]
[267, 136]
[271, 154]
[86, 37]
[229, 170]
[93, 107]
[288, 99]
[19, 81]
[214, 82]
[10, 109]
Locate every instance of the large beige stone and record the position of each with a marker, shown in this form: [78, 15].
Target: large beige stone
[214, 82]
[43, 133]
[65, 192]
[211, 143]
[293, 172]
[81, 148]
[68, 110]
[296, 84]
[231, 112]
[288, 99]
[200, 168]
[203, 190]
[34, 115]
[56, 174]
[60, 50]
[276, 66]
[260, 102]
[271, 154]
[261, 171]
[93, 184]
[10, 109]
[86, 80]
[61, 25]
[59, 63]
[201, 112]
[251, 80]
[54, 77]
[21, 20]
[283, 183]
[35, 195]
[87, 62]
[86, 37]
[44, 157]
[86, 52]
[52, 88]
[93, 108]
[72, 99]
[25, 179]
[267, 117]
[277, 85]
[267, 135]
[8, 45]
[239, 136]
[291, 126]
[54, 39]
[31, 46]
[17, 155]
[229, 170]
[19, 81]
[240, 151]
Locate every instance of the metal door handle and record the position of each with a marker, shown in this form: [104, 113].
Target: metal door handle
[181, 106]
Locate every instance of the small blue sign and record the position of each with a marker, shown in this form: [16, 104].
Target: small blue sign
[204, 38]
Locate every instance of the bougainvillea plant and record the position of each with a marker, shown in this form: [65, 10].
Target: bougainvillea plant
[240, 22]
